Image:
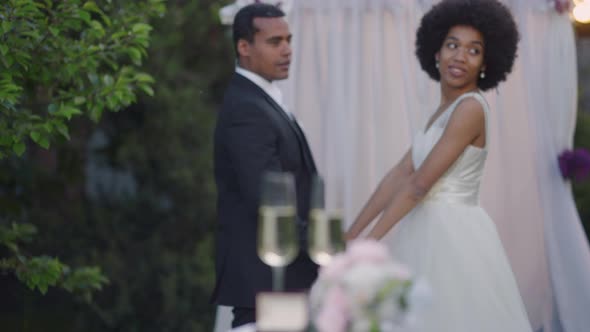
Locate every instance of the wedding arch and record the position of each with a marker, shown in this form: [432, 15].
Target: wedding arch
[360, 94]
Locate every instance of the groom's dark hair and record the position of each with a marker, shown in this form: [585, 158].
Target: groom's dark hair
[490, 17]
[243, 27]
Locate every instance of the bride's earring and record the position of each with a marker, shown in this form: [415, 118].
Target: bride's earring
[482, 75]
[436, 64]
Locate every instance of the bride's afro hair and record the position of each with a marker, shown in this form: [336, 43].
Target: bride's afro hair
[490, 17]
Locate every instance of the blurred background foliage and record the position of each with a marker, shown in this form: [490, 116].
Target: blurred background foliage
[60, 60]
[133, 193]
[581, 189]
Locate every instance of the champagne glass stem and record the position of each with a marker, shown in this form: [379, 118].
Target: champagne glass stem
[278, 278]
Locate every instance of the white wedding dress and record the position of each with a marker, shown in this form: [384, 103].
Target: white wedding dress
[452, 242]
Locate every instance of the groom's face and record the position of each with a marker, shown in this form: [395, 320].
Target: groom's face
[269, 55]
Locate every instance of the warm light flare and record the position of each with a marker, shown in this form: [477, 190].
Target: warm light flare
[581, 12]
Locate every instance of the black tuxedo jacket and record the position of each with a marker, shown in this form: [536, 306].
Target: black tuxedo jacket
[252, 135]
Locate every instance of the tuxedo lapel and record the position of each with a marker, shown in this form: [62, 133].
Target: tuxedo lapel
[305, 150]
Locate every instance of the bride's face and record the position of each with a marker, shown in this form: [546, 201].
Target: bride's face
[461, 58]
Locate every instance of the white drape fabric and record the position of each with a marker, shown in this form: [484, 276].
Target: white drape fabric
[551, 97]
[360, 94]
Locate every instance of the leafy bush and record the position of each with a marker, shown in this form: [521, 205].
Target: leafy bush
[132, 193]
[62, 59]
[59, 60]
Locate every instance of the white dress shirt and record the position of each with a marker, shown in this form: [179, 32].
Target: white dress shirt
[269, 87]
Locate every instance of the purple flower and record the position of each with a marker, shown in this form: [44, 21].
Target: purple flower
[562, 6]
[574, 164]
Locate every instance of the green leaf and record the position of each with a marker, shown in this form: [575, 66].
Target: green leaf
[144, 78]
[35, 136]
[54, 31]
[106, 20]
[34, 34]
[8, 61]
[40, 272]
[18, 148]
[12, 246]
[91, 6]
[135, 55]
[48, 127]
[67, 111]
[44, 143]
[42, 288]
[34, 280]
[3, 49]
[141, 27]
[84, 15]
[21, 231]
[147, 89]
[79, 100]
[111, 63]
[6, 26]
[62, 129]
[39, 138]
[97, 27]
[95, 114]
[5, 140]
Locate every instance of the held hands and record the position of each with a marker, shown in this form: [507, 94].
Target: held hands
[353, 231]
[351, 235]
[348, 237]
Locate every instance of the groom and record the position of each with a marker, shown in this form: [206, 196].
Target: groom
[255, 133]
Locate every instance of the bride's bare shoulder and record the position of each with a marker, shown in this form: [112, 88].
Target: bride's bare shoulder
[469, 111]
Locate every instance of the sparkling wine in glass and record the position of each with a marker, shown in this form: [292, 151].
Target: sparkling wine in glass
[277, 226]
[325, 224]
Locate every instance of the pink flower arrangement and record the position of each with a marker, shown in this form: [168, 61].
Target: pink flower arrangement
[363, 289]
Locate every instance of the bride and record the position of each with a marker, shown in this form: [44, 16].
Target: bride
[430, 199]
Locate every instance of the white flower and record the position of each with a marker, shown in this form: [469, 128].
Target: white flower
[373, 291]
[363, 282]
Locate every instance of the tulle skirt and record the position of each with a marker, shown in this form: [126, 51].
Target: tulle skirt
[456, 248]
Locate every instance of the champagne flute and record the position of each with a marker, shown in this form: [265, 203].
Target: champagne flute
[325, 228]
[277, 230]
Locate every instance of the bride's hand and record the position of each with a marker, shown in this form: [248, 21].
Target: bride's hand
[349, 237]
